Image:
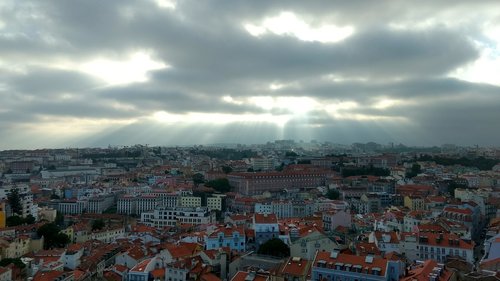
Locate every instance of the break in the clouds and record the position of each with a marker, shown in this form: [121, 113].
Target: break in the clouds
[168, 72]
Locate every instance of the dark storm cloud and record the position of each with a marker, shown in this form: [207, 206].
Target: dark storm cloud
[210, 55]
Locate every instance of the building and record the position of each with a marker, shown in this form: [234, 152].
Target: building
[306, 246]
[165, 216]
[262, 164]
[436, 246]
[334, 219]
[295, 177]
[296, 268]
[336, 266]
[14, 247]
[190, 201]
[3, 214]
[429, 270]
[414, 203]
[266, 227]
[99, 204]
[386, 242]
[227, 236]
[214, 203]
[70, 206]
[129, 204]
[142, 270]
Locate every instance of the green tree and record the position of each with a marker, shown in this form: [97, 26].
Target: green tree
[55, 196]
[59, 219]
[454, 185]
[220, 185]
[414, 171]
[198, 179]
[14, 221]
[17, 262]
[274, 247]
[333, 194]
[98, 224]
[226, 169]
[62, 240]
[52, 236]
[29, 219]
[15, 201]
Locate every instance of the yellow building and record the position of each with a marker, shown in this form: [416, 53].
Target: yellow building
[190, 201]
[14, 247]
[69, 231]
[214, 203]
[2, 215]
[414, 203]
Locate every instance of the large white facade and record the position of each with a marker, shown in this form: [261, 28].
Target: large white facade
[164, 216]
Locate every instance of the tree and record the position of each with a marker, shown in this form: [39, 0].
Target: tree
[415, 170]
[59, 219]
[454, 185]
[274, 247]
[226, 169]
[62, 240]
[15, 201]
[17, 262]
[55, 196]
[29, 219]
[333, 194]
[50, 233]
[198, 178]
[220, 185]
[98, 224]
[14, 221]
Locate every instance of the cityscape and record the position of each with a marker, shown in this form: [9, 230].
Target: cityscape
[188, 140]
[283, 210]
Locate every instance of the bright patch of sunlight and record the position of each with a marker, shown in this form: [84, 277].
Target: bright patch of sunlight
[287, 23]
[294, 105]
[130, 70]
[166, 4]
[219, 118]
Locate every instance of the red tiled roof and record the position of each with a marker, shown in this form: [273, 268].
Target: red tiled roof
[120, 268]
[49, 275]
[241, 276]
[353, 260]
[158, 273]
[141, 267]
[465, 211]
[228, 231]
[365, 248]
[295, 267]
[112, 276]
[209, 277]
[265, 218]
[421, 272]
[433, 239]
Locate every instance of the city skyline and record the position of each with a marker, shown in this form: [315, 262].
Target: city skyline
[91, 73]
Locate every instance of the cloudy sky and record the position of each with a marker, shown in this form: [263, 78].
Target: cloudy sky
[161, 72]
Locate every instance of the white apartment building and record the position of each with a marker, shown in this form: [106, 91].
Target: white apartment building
[129, 204]
[99, 204]
[286, 208]
[72, 207]
[436, 246]
[165, 216]
[26, 199]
